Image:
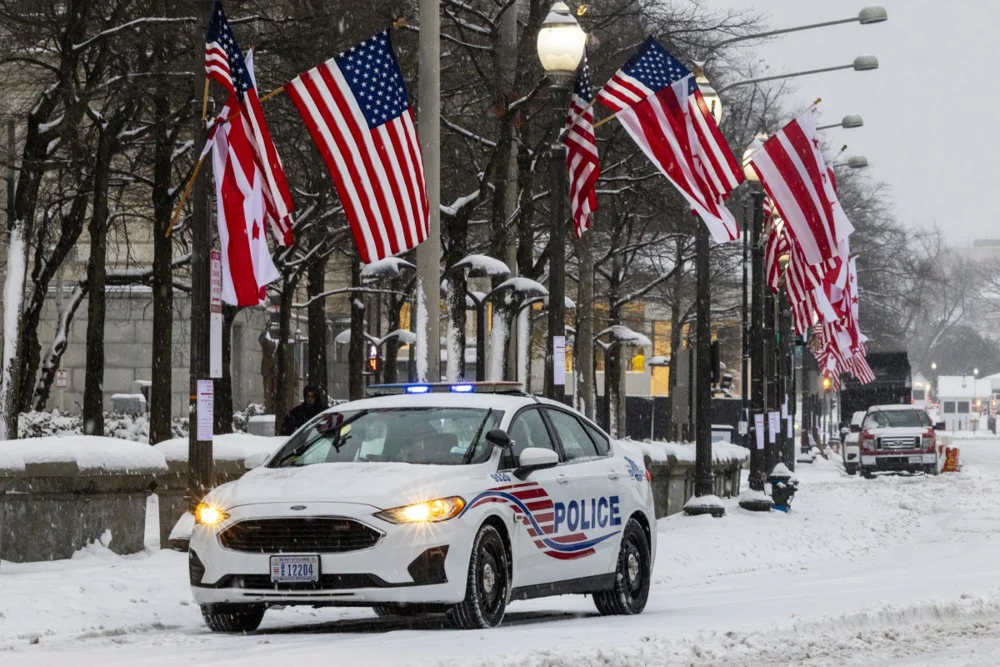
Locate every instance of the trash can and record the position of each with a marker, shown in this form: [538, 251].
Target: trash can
[783, 487]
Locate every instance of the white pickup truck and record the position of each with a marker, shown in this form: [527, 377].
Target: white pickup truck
[897, 438]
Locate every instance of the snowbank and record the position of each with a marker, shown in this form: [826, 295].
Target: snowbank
[10, 461]
[226, 447]
[90, 453]
[722, 452]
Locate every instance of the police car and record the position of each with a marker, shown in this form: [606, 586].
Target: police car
[429, 498]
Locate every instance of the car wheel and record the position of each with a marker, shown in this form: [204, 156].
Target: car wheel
[487, 585]
[632, 576]
[851, 468]
[866, 473]
[232, 617]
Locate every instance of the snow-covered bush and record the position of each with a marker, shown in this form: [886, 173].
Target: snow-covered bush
[116, 425]
[242, 417]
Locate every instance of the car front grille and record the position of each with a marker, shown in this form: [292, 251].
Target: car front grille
[299, 535]
[908, 442]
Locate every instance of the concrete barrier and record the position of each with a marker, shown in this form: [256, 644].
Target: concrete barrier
[72, 492]
[671, 466]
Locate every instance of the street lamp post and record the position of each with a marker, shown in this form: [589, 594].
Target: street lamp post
[758, 475]
[864, 63]
[560, 49]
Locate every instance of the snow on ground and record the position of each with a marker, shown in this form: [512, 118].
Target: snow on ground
[892, 571]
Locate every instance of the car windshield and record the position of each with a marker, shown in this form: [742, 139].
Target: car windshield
[896, 418]
[440, 436]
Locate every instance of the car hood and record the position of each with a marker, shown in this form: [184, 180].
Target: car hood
[381, 485]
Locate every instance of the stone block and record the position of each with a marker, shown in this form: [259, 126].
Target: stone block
[126, 355]
[118, 381]
[118, 332]
[144, 331]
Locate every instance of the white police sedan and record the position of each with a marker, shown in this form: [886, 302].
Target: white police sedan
[430, 498]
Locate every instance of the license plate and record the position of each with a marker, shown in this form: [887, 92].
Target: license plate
[916, 459]
[294, 568]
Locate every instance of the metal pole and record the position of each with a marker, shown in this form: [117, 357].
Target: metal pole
[771, 374]
[429, 252]
[744, 319]
[704, 480]
[758, 476]
[557, 241]
[481, 340]
[200, 458]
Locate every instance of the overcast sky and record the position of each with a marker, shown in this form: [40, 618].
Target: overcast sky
[929, 109]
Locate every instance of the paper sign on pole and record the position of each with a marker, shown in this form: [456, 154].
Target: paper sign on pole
[758, 426]
[206, 409]
[784, 408]
[215, 318]
[791, 428]
[559, 360]
[773, 426]
[743, 429]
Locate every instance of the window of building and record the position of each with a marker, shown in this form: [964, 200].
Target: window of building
[949, 407]
[963, 407]
[919, 394]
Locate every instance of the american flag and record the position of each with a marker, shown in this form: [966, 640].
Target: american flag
[795, 175]
[357, 111]
[582, 160]
[657, 100]
[224, 63]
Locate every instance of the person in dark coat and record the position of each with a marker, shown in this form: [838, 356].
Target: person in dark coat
[312, 404]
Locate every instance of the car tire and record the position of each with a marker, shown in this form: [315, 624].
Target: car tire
[487, 584]
[851, 468]
[632, 576]
[867, 473]
[232, 617]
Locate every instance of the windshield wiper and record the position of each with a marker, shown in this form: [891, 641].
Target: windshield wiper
[304, 447]
[475, 439]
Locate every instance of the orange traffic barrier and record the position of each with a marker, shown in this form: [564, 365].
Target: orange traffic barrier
[951, 460]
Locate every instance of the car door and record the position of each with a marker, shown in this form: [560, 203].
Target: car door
[536, 499]
[588, 528]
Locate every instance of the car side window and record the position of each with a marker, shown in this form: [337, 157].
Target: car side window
[600, 440]
[575, 441]
[527, 430]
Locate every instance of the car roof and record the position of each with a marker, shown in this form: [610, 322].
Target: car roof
[895, 406]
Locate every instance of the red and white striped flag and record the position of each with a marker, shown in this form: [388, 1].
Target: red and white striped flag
[582, 161]
[357, 111]
[791, 167]
[658, 102]
[246, 261]
[224, 63]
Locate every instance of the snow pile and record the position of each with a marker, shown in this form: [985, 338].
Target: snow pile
[11, 461]
[703, 502]
[225, 447]
[90, 453]
[183, 528]
[722, 452]
[99, 548]
[390, 267]
[482, 265]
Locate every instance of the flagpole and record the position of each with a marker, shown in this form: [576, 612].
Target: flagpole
[200, 456]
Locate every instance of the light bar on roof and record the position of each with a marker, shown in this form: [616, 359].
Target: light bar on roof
[444, 387]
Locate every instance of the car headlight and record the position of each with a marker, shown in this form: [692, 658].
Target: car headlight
[209, 515]
[431, 511]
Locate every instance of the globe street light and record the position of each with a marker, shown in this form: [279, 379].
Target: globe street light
[561, 42]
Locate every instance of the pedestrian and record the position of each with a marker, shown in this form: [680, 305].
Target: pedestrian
[312, 404]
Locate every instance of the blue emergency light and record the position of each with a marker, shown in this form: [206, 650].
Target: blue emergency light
[445, 387]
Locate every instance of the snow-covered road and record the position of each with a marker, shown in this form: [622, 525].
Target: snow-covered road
[892, 571]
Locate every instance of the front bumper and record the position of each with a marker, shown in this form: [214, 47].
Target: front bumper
[894, 461]
[410, 563]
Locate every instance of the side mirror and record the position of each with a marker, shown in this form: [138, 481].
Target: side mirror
[535, 458]
[499, 438]
[939, 426]
[256, 460]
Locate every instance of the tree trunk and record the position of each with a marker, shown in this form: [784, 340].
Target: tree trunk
[455, 336]
[51, 362]
[222, 413]
[316, 284]
[583, 352]
[284, 376]
[356, 349]
[390, 372]
[162, 362]
[93, 391]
